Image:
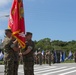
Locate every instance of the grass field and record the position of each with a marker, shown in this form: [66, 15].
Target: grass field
[68, 61]
[1, 62]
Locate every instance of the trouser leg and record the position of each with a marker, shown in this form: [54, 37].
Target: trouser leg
[28, 68]
[16, 63]
[9, 68]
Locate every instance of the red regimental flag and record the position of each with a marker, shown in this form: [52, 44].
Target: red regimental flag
[16, 21]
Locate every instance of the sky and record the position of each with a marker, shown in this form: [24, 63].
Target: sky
[54, 19]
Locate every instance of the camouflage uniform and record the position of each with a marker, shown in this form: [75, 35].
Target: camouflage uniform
[75, 57]
[40, 57]
[46, 57]
[49, 58]
[10, 58]
[28, 59]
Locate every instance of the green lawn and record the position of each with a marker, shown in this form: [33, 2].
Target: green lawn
[68, 61]
[1, 62]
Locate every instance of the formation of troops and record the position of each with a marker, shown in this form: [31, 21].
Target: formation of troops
[49, 57]
[45, 58]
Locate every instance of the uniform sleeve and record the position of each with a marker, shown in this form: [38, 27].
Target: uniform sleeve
[31, 45]
[7, 44]
[14, 45]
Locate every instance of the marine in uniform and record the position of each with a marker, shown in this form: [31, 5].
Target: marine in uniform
[49, 58]
[10, 54]
[28, 55]
[40, 57]
[75, 56]
[46, 57]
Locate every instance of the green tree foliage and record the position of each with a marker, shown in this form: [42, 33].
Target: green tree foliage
[47, 44]
[43, 44]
